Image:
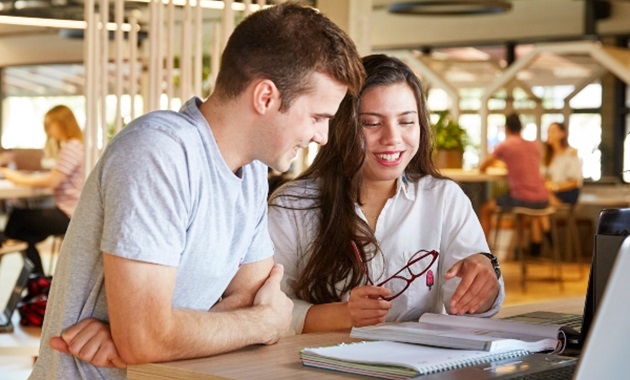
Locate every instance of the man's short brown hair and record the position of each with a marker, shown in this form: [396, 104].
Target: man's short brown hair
[286, 44]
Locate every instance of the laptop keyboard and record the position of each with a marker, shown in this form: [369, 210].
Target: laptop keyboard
[559, 373]
[574, 321]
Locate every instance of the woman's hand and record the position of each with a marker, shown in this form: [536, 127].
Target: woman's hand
[366, 305]
[478, 288]
[89, 340]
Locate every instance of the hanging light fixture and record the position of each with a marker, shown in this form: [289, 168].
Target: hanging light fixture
[450, 7]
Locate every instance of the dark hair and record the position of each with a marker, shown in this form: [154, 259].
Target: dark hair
[564, 142]
[337, 172]
[286, 43]
[513, 123]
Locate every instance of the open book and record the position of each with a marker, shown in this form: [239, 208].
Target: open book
[394, 360]
[468, 333]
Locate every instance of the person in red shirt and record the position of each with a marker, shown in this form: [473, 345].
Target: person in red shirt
[523, 159]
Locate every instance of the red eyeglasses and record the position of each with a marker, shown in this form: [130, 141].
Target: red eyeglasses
[415, 268]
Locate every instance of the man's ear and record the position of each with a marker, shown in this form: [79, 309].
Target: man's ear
[266, 96]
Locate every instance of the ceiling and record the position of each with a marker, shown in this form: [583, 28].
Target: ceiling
[476, 65]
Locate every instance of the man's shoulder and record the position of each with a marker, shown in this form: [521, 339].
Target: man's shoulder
[163, 119]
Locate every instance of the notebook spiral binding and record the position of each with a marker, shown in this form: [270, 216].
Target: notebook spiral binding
[470, 362]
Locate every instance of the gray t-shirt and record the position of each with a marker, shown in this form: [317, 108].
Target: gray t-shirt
[161, 193]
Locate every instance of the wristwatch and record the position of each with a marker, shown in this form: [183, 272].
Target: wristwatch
[495, 263]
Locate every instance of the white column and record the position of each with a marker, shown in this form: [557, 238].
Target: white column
[119, 10]
[198, 50]
[354, 17]
[185, 60]
[170, 53]
[227, 20]
[133, 61]
[90, 43]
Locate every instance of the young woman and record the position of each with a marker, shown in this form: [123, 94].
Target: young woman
[371, 232]
[563, 167]
[65, 179]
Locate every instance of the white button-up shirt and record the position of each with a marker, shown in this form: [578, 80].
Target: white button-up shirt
[430, 214]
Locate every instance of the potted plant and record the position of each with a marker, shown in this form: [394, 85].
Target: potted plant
[450, 140]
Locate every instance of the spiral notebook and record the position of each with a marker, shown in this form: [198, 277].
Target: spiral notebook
[395, 360]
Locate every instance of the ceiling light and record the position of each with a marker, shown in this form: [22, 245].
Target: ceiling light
[450, 7]
[209, 4]
[54, 23]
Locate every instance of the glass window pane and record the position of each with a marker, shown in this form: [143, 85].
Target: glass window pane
[470, 99]
[437, 99]
[23, 118]
[585, 134]
[472, 124]
[496, 130]
[589, 97]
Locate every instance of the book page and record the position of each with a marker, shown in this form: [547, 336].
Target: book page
[467, 338]
[514, 329]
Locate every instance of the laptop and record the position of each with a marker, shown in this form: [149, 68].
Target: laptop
[28, 159]
[5, 318]
[613, 227]
[605, 349]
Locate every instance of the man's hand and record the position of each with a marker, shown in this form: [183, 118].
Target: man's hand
[478, 288]
[366, 305]
[89, 340]
[277, 316]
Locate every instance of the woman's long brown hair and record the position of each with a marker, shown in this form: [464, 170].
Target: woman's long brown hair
[337, 173]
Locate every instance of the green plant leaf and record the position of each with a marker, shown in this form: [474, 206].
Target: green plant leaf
[449, 134]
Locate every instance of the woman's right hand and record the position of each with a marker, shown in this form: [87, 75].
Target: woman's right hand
[91, 341]
[366, 305]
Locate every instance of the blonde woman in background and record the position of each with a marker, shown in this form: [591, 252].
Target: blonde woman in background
[562, 166]
[33, 225]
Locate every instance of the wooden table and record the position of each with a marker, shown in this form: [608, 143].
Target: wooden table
[467, 176]
[8, 190]
[281, 361]
[476, 185]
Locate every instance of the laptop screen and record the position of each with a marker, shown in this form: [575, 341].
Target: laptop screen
[612, 229]
[605, 352]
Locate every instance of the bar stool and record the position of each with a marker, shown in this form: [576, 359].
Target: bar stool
[573, 245]
[519, 214]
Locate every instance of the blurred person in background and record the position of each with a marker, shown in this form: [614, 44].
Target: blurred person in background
[527, 186]
[562, 167]
[65, 178]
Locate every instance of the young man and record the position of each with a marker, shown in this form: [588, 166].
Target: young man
[169, 242]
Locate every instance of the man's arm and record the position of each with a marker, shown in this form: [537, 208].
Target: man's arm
[243, 287]
[490, 159]
[146, 328]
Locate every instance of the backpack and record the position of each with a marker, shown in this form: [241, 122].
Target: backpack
[32, 306]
